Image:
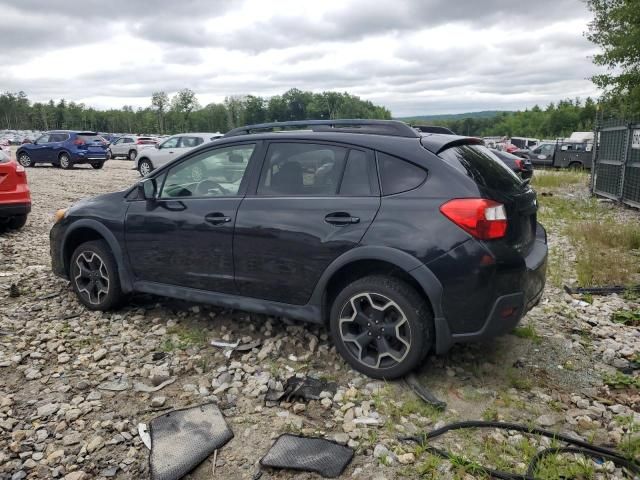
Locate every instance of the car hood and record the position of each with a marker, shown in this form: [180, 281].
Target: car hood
[97, 203]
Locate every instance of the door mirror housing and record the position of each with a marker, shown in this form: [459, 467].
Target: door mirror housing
[148, 189]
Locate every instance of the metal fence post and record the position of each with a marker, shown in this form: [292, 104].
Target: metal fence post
[625, 157]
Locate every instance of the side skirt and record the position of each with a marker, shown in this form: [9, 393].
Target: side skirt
[306, 313]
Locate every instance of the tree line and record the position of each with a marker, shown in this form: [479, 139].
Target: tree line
[183, 112]
[555, 120]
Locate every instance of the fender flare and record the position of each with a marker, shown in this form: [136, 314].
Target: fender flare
[109, 237]
[404, 261]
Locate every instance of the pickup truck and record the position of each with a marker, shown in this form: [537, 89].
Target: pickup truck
[559, 154]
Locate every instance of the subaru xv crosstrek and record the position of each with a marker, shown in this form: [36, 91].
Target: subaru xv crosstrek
[400, 242]
[64, 149]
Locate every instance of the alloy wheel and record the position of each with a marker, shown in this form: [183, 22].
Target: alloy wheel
[24, 160]
[92, 279]
[64, 161]
[145, 168]
[375, 330]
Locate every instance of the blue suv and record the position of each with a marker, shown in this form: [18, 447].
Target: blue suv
[64, 149]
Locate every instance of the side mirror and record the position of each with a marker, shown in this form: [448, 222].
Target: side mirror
[147, 189]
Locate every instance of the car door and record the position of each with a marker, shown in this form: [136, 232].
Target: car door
[54, 146]
[167, 151]
[185, 236]
[312, 203]
[543, 154]
[37, 150]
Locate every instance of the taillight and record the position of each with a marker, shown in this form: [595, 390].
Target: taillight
[20, 170]
[77, 141]
[520, 164]
[482, 218]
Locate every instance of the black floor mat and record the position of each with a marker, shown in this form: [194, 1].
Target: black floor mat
[325, 457]
[182, 439]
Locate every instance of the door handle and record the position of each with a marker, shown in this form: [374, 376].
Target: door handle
[341, 218]
[217, 218]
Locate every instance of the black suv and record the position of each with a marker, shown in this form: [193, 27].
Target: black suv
[402, 242]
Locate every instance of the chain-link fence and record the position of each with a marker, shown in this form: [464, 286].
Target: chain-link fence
[616, 171]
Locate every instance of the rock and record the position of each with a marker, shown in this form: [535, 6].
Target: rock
[77, 475]
[299, 408]
[341, 438]
[547, 420]
[406, 458]
[71, 439]
[48, 409]
[95, 444]
[94, 396]
[158, 401]
[380, 451]
[32, 374]
[99, 354]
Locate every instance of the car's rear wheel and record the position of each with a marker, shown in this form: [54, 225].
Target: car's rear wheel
[25, 160]
[94, 276]
[132, 155]
[16, 222]
[64, 161]
[381, 326]
[145, 167]
[97, 165]
[575, 166]
[109, 154]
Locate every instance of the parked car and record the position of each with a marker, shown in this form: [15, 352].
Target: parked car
[64, 149]
[524, 142]
[130, 146]
[402, 243]
[15, 199]
[520, 166]
[557, 154]
[150, 159]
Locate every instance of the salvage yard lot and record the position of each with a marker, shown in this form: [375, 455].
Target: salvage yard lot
[572, 365]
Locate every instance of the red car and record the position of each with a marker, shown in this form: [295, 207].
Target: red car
[15, 198]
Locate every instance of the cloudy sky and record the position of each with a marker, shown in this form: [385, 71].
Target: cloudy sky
[413, 56]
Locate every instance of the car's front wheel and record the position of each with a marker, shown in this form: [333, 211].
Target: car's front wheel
[65, 162]
[97, 165]
[94, 276]
[25, 160]
[132, 155]
[381, 326]
[145, 167]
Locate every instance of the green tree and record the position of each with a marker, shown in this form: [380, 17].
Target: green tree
[616, 30]
[160, 102]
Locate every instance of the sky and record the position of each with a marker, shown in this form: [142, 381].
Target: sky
[412, 56]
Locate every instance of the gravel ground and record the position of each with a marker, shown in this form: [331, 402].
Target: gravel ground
[61, 418]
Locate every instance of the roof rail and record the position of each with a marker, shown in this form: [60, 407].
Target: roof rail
[392, 128]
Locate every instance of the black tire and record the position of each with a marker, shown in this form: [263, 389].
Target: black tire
[145, 167]
[101, 268]
[97, 165]
[17, 222]
[132, 155]
[413, 323]
[64, 162]
[575, 166]
[109, 154]
[25, 160]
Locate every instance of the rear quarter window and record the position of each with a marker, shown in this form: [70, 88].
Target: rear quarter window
[483, 167]
[397, 175]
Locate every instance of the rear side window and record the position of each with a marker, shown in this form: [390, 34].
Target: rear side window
[397, 176]
[302, 169]
[58, 137]
[190, 142]
[483, 167]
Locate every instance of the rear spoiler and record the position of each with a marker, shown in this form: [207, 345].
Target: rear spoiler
[436, 143]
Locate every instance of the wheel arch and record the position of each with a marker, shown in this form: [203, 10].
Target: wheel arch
[363, 261]
[86, 230]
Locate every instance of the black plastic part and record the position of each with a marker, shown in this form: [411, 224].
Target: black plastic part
[600, 290]
[319, 455]
[582, 448]
[421, 391]
[182, 439]
[392, 128]
[307, 388]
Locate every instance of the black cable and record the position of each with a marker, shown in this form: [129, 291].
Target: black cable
[584, 448]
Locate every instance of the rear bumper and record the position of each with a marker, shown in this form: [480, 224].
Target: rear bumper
[13, 209]
[508, 308]
[88, 157]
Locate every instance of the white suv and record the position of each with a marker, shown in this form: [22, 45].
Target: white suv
[130, 146]
[174, 146]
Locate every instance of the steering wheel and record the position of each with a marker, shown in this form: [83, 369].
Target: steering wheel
[203, 188]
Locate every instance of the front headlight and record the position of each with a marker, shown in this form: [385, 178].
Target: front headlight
[59, 215]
